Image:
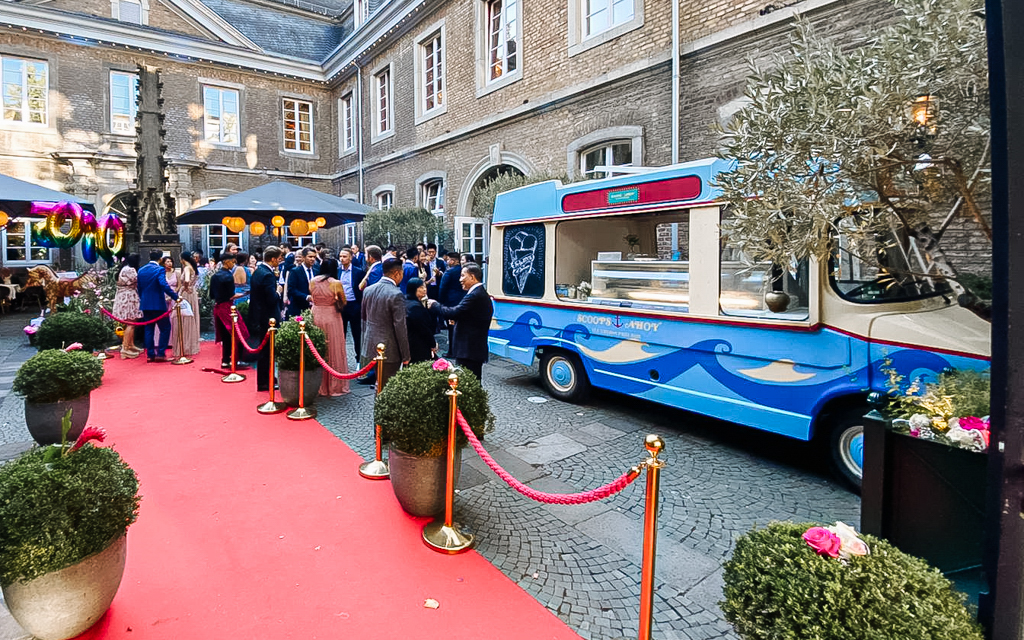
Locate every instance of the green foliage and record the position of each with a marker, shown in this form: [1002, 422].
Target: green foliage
[53, 514]
[980, 286]
[54, 375]
[958, 393]
[778, 588]
[829, 133]
[412, 410]
[286, 345]
[483, 196]
[205, 301]
[243, 309]
[403, 227]
[66, 327]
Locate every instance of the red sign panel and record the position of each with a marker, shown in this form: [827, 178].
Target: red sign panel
[647, 193]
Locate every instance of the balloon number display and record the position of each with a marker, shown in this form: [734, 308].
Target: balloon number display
[102, 238]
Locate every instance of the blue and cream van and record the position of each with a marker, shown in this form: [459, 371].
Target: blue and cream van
[627, 284]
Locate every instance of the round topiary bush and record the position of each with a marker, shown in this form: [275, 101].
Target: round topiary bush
[286, 346]
[67, 327]
[55, 375]
[778, 588]
[412, 410]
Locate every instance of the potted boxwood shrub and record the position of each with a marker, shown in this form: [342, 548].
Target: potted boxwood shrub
[67, 327]
[412, 411]
[286, 353]
[800, 581]
[64, 512]
[52, 382]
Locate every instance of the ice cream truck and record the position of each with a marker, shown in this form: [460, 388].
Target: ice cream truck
[627, 284]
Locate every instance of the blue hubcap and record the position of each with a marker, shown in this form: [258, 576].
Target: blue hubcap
[561, 373]
[857, 449]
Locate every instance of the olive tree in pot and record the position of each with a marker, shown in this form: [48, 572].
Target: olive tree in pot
[412, 411]
[286, 352]
[64, 513]
[52, 382]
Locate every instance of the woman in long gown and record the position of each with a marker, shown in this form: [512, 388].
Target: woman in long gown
[188, 290]
[127, 304]
[172, 279]
[325, 289]
[241, 274]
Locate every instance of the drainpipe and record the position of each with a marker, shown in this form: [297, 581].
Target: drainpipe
[675, 81]
[359, 105]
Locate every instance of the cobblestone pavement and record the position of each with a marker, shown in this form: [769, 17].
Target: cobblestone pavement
[583, 562]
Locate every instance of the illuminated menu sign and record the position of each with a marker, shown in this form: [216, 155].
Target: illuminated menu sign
[647, 193]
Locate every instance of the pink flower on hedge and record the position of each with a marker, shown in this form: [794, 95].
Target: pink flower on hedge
[823, 541]
[87, 311]
[441, 365]
[30, 330]
[88, 433]
[972, 423]
[74, 346]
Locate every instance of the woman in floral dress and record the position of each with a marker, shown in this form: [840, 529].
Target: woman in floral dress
[188, 283]
[127, 305]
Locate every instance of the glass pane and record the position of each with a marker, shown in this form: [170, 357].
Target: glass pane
[591, 160]
[622, 11]
[622, 154]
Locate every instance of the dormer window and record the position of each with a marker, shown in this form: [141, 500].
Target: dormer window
[133, 11]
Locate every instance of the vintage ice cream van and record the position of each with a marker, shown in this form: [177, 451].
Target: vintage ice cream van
[627, 284]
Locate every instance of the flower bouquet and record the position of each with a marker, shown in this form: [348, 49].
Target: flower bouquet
[952, 410]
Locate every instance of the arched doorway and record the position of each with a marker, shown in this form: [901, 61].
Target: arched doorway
[472, 229]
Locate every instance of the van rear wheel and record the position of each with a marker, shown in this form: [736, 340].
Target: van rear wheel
[564, 376]
[846, 446]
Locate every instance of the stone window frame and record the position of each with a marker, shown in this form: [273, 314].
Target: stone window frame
[380, 192]
[423, 182]
[376, 135]
[574, 151]
[484, 85]
[115, 10]
[435, 31]
[298, 100]
[346, 122]
[579, 42]
[214, 83]
[132, 104]
[50, 85]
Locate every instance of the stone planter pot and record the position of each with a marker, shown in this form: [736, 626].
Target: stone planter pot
[419, 481]
[64, 603]
[43, 419]
[288, 384]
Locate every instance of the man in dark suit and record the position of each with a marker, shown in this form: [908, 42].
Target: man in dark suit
[383, 316]
[436, 266]
[264, 303]
[472, 318]
[299, 298]
[350, 277]
[358, 257]
[450, 293]
[152, 284]
[222, 292]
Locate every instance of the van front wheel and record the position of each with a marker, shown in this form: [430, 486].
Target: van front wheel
[564, 377]
[847, 447]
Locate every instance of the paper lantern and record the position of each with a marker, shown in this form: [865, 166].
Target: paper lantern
[257, 228]
[298, 227]
[3, 219]
[235, 225]
[226, 221]
[311, 227]
[321, 222]
[277, 221]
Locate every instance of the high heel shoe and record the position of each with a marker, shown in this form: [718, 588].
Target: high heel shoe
[125, 355]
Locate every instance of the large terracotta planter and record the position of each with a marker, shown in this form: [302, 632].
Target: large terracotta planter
[63, 604]
[288, 384]
[419, 481]
[44, 419]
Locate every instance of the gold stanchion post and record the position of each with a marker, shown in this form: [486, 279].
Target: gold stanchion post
[655, 445]
[271, 406]
[234, 376]
[301, 412]
[445, 535]
[182, 358]
[377, 469]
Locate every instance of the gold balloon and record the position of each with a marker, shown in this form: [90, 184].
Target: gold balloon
[257, 228]
[298, 227]
[277, 221]
[3, 219]
[321, 222]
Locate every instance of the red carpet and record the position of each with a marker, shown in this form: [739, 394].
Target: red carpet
[256, 526]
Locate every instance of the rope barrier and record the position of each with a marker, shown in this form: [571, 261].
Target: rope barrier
[593, 495]
[332, 372]
[136, 324]
[241, 339]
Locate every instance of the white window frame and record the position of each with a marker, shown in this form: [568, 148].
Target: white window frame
[27, 232]
[484, 29]
[383, 88]
[581, 40]
[576, 149]
[606, 147]
[385, 199]
[433, 196]
[115, 113]
[218, 237]
[461, 239]
[221, 137]
[346, 124]
[115, 10]
[293, 107]
[24, 111]
[431, 62]
[361, 12]
[296, 242]
[350, 234]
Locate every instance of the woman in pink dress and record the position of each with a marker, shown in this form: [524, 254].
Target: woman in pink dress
[325, 290]
[127, 305]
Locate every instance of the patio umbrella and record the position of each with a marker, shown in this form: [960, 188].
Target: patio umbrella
[17, 196]
[262, 203]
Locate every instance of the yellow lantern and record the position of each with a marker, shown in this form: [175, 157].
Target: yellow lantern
[311, 227]
[3, 219]
[321, 222]
[257, 228]
[235, 225]
[226, 221]
[298, 227]
[277, 221]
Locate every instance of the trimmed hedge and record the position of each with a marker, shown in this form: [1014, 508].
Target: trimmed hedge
[67, 327]
[55, 375]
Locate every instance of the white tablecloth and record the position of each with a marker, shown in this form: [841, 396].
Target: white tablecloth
[13, 288]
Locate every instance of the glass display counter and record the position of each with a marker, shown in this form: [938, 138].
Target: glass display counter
[644, 283]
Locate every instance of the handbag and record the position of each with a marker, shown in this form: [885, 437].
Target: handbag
[186, 309]
[339, 304]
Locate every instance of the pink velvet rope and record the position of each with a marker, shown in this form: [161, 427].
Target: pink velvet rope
[593, 495]
[332, 372]
[136, 324]
[245, 346]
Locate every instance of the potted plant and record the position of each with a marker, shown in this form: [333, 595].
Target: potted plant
[286, 352]
[65, 327]
[64, 512]
[793, 581]
[412, 411]
[52, 382]
[925, 466]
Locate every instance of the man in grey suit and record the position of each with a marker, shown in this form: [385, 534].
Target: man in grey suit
[383, 318]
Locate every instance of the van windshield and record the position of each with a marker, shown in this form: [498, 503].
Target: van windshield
[884, 268]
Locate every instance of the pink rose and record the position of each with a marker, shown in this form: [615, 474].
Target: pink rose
[74, 346]
[823, 541]
[441, 365]
[968, 424]
[29, 330]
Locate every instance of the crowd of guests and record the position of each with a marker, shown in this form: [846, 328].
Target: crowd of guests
[401, 298]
